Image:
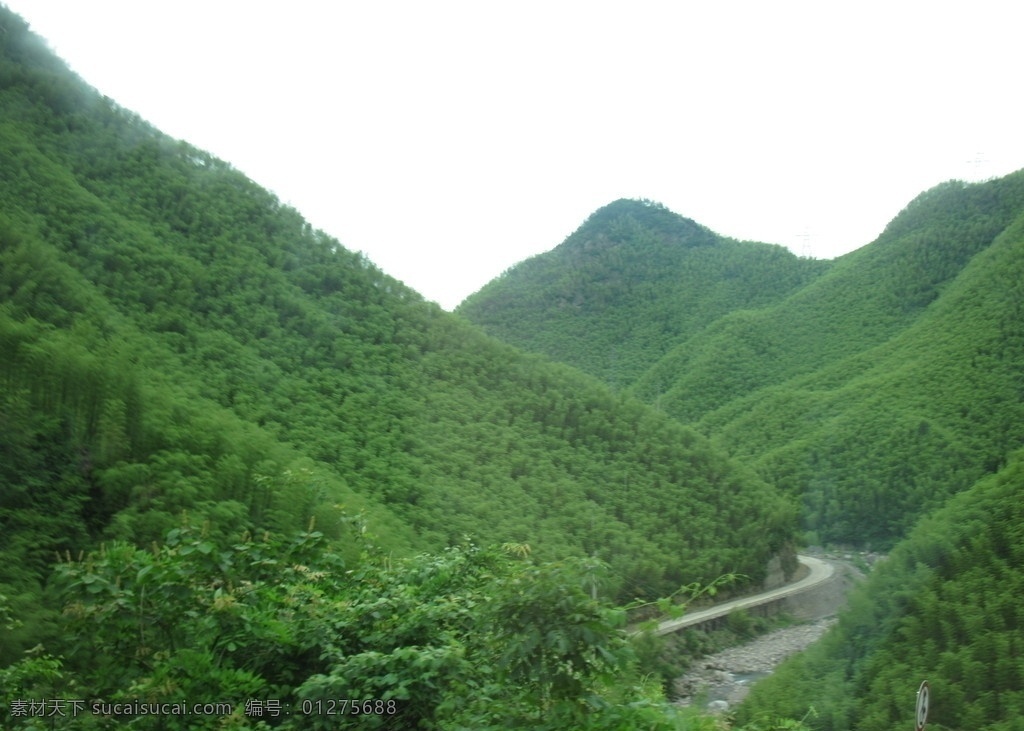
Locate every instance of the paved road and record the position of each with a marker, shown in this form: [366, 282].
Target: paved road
[820, 571]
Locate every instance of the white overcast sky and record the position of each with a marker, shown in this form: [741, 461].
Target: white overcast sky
[449, 140]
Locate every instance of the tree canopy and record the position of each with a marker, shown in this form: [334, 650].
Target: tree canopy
[871, 387]
[240, 463]
[192, 376]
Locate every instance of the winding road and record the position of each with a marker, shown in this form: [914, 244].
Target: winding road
[819, 572]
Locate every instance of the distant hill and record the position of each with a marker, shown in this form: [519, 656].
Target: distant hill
[880, 437]
[177, 346]
[634, 282]
[855, 384]
[886, 390]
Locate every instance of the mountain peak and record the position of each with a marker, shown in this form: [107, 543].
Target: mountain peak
[629, 219]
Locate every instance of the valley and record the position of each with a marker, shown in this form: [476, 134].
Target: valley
[723, 679]
[239, 461]
[881, 391]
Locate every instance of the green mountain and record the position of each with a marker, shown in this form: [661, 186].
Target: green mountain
[865, 299]
[889, 433]
[181, 355]
[241, 463]
[885, 389]
[632, 284]
[856, 384]
[943, 607]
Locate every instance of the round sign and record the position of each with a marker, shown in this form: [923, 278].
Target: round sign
[922, 706]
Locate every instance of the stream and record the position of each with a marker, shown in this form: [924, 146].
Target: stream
[722, 680]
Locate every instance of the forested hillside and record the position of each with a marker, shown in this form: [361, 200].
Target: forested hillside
[875, 386]
[866, 298]
[632, 283]
[887, 391]
[235, 436]
[882, 437]
[944, 607]
[177, 293]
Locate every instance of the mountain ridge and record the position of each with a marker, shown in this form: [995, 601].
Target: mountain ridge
[282, 378]
[241, 461]
[603, 281]
[888, 394]
[762, 359]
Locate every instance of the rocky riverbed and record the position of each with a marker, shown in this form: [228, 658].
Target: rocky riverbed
[722, 680]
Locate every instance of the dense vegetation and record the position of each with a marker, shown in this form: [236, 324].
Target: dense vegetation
[873, 386]
[240, 463]
[240, 437]
[944, 607]
[886, 390]
[269, 633]
[632, 283]
[882, 437]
